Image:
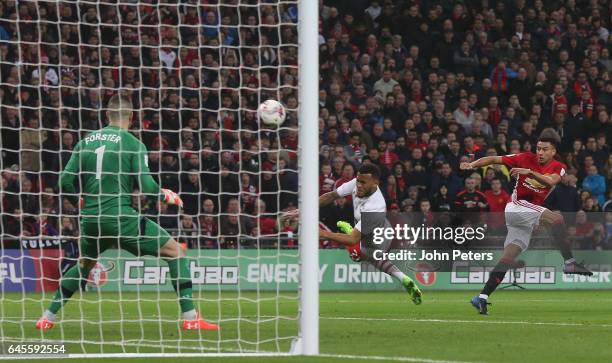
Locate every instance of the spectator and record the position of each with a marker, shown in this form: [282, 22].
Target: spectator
[501, 75]
[385, 85]
[32, 139]
[470, 199]
[28, 199]
[497, 197]
[465, 59]
[584, 232]
[265, 222]
[595, 184]
[165, 218]
[190, 193]
[354, 151]
[564, 197]
[189, 231]
[442, 201]
[463, 115]
[447, 178]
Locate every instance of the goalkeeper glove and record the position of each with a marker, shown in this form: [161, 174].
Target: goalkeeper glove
[344, 227]
[172, 198]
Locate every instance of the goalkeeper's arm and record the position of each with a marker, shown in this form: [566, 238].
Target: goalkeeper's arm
[68, 177]
[148, 185]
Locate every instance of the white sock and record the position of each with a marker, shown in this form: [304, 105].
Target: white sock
[189, 315]
[484, 296]
[398, 275]
[570, 261]
[49, 315]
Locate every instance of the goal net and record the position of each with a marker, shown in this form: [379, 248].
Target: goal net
[195, 72]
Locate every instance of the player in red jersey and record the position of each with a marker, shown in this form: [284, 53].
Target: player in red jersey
[536, 175]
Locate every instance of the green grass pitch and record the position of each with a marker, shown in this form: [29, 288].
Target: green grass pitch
[525, 326]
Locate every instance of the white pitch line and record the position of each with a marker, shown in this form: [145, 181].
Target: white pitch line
[148, 355]
[233, 356]
[455, 301]
[392, 359]
[454, 321]
[230, 355]
[217, 354]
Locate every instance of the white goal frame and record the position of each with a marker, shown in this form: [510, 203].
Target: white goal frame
[308, 172]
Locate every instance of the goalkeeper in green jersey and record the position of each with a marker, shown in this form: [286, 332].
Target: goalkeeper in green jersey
[110, 162]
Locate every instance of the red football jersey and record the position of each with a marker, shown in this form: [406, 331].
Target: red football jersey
[527, 188]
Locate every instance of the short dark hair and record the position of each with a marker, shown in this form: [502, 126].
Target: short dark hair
[370, 169]
[551, 136]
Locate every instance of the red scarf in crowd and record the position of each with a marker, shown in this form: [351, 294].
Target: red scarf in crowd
[579, 88]
[559, 104]
[500, 80]
[586, 107]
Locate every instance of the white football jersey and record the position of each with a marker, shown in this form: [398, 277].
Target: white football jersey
[374, 203]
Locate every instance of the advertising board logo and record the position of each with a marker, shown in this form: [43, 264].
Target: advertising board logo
[425, 274]
[98, 274]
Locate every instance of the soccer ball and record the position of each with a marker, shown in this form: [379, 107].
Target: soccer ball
[272, 113]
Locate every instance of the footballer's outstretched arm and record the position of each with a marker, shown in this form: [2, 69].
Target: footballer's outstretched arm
[324, 200]
[345, 239]
[328, 198]
[484, 161]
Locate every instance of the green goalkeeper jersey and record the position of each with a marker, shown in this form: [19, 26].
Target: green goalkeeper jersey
[109, 164]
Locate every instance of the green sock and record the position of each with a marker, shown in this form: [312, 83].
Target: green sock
[181, 281]
[69, 284]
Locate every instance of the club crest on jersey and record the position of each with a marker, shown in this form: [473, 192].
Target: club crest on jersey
[533, 184]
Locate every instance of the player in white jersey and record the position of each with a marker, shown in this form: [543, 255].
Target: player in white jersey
[367, 199]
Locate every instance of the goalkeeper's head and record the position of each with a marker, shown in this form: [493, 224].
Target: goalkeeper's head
[119, 111]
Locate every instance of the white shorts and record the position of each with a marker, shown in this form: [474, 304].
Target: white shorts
[521, 219]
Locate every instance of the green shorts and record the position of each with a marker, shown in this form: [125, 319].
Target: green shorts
[135, 234]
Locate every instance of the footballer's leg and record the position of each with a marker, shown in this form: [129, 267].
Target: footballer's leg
[74, 277]
[70, 283]
[496, 276]
[558, 229]
[384, 265]
[156, 241]
[520, 221]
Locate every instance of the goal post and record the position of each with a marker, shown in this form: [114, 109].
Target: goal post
[308, 49]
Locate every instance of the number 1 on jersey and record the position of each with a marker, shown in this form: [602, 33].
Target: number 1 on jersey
[99, 156]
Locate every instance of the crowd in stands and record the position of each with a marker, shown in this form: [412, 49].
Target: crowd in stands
[414, 87]
[419, 87]
[196, 72]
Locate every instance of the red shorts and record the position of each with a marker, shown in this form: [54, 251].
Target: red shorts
[354, 252]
